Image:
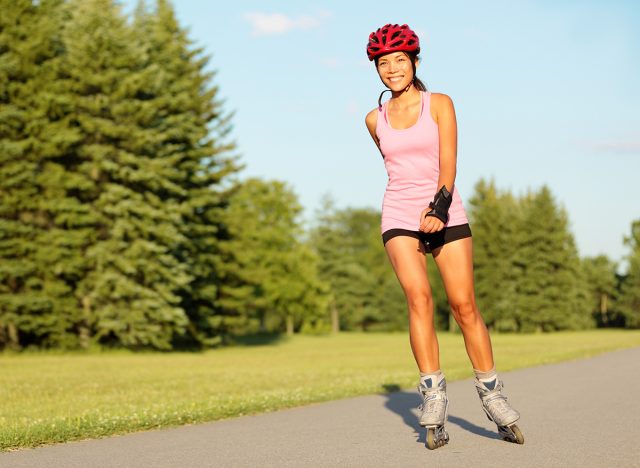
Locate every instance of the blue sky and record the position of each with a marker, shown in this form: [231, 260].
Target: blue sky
[546, 92]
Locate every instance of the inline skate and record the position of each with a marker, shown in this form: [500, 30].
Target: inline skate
[498, 410]
[434, 411]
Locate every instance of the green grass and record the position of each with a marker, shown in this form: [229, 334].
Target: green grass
[53, 397]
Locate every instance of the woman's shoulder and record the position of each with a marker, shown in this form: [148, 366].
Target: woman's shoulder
[371, 118]
[441, 100]
[442, 104]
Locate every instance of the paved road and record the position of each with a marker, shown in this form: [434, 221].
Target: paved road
[574, 414]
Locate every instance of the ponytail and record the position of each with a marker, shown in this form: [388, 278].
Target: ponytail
[419, 84]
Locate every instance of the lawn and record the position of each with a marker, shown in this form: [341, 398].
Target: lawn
[53, 397]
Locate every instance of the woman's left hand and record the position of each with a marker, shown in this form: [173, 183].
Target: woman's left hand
[430, 223]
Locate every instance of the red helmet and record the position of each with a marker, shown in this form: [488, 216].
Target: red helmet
[392, 38]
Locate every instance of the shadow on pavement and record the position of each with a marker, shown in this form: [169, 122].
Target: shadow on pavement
[403, 403]
[469, 426]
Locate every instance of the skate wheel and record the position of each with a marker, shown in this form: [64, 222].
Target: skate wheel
[518, 434]
[433, 442]
[431, 439]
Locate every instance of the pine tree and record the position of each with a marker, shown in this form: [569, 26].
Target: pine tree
[494, 220]
[43, 227]
[630, 287]
[113, 151]
[130, 292]
[551, 289]
[192, 132]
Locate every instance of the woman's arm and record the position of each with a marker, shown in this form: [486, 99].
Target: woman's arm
[448, 136]
[371, 120]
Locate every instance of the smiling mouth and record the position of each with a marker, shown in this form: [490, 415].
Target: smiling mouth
[395, 79]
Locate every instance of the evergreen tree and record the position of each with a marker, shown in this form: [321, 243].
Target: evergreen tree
[494, 220]
[600, 274]
[630, 287]
[551, 289]
[269, 275]
[130, 292]
[43, 227]
[113, 154]
[191, 136]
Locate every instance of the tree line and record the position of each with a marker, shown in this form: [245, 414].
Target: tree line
[124, 220]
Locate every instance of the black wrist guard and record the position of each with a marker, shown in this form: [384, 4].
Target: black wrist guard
[440, 205]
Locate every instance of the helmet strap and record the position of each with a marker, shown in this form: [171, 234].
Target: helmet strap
[409, 85]
[380, 98]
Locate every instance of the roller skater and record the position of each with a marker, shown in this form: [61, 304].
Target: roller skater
[433, 388]
[498, 409]
[415, 131]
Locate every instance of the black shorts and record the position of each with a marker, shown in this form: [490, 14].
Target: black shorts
[431, 240]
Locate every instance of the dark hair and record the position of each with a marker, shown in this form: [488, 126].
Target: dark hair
[420, 86]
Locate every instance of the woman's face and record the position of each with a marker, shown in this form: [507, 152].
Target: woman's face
[395, 70]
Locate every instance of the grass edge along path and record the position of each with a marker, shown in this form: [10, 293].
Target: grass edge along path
[55, 397]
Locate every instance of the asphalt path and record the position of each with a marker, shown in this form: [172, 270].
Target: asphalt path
[582, 413]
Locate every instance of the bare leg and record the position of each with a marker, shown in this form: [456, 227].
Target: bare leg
[409, 264]
[455, 262]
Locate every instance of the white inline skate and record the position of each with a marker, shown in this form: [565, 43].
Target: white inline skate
[434, 411]
[498, 410]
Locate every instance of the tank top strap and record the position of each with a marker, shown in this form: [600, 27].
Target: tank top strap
[423, 99]
[379, 120]
[382, 110]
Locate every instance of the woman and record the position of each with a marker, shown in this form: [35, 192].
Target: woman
[415, 131]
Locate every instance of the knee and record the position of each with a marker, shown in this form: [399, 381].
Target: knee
[420, 301]
[465, 312]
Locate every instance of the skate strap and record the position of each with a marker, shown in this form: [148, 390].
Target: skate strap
[494, 396]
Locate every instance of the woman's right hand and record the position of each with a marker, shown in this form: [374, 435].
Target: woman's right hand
[430, 224]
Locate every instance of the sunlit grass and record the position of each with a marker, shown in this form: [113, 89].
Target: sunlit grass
[47, 398]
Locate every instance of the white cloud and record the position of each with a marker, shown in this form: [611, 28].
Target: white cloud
[270, 24]
[618, 146]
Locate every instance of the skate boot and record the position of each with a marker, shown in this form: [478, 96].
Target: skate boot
[434, 411]
[498, 409]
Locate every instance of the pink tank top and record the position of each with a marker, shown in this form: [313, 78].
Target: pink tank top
[412, 160]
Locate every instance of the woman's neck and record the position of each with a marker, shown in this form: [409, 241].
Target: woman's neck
[406, 96]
